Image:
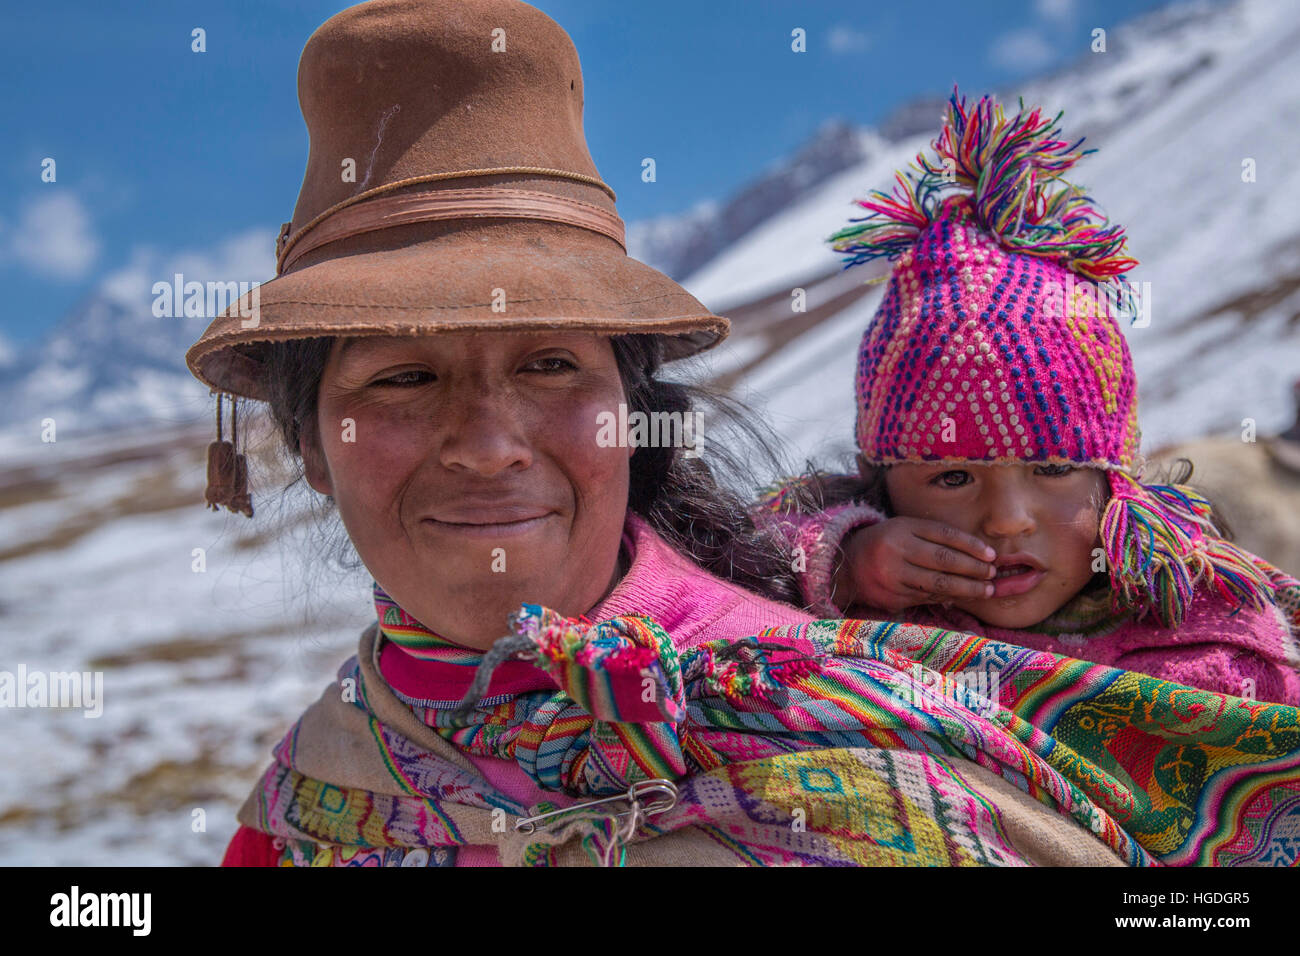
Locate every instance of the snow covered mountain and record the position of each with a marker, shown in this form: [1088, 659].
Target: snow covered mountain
[110, 362]
[1179, 101]
[102, 367]
[1183, 100]
[681, 245]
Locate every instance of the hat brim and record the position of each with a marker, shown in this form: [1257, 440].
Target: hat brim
[426, 278]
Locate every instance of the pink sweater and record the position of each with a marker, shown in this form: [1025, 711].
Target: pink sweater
[692, 605]
[1242, 652]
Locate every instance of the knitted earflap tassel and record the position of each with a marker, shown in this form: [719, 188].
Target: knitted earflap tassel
[227, 469]
[1160, 543]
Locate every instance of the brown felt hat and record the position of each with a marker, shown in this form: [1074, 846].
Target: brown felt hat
[448, 187]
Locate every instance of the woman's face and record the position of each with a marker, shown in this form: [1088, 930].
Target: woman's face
[466, 470]
[1043, 516]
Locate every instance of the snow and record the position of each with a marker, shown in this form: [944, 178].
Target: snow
[791, 247]
[185, 674]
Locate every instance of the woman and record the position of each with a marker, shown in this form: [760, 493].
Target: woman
[465, 467]
[453, 318]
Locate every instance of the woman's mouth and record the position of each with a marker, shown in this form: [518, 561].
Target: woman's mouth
[490, 529]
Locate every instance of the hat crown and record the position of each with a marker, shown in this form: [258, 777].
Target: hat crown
[448, 188]
[394, 89]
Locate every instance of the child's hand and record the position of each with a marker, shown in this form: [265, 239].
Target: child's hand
[902, 562]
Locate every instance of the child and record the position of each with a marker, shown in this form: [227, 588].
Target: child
[998, 489]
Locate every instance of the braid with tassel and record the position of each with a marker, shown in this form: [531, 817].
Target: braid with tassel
[227, 469]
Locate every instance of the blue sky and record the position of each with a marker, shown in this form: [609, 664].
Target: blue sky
[164, 152]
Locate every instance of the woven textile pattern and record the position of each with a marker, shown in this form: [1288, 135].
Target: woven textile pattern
[832, 743]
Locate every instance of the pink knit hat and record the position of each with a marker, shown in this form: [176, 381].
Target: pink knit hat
[997, 342]
[979, 354]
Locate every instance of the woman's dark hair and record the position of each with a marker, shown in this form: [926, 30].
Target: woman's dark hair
[818, 489]
[703, 510]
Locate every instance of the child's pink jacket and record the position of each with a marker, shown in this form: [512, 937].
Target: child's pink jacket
[1242, 652]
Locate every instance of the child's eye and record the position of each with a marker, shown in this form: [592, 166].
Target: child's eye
[951, 479]
[1054, 470]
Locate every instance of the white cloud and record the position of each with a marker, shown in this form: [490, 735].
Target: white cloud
[8, 351]
[1056, 11]
[1025, 49]
[846, 39]
[248, 256]
[53, 237]
[130, 284]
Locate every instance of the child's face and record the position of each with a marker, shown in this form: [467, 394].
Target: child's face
[1045, 516]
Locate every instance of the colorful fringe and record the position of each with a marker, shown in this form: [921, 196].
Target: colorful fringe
[1161, 545]
[630, 674]
[1009, 170]
[785, 495]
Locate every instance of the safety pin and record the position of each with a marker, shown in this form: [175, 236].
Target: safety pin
[663, 793]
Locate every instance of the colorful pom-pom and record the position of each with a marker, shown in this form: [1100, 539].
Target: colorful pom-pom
[1011, 169]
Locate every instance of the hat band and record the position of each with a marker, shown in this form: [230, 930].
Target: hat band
[490, 202]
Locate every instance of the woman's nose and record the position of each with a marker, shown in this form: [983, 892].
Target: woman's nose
[484, 434]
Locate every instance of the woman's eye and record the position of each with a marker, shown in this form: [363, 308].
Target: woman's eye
[554, 363]
[951, 479]
[1053, 471]
[403, 378]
